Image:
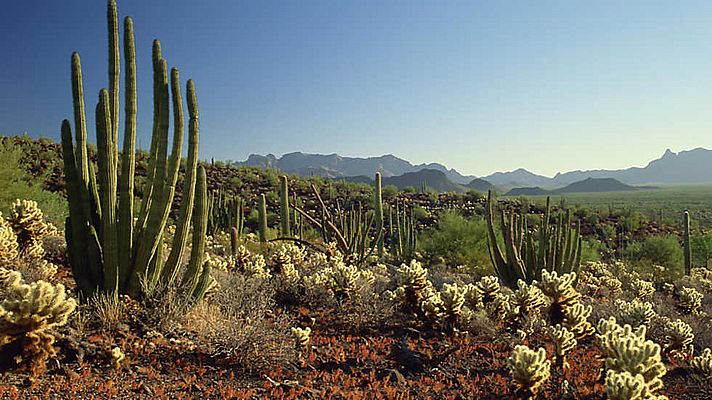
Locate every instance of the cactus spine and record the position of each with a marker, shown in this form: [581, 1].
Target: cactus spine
[108, 251]
[687, 248]
[378, 207]
[284, 207]
[262, 214]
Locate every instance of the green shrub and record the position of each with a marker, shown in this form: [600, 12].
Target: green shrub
[15, 183]
[664, 250]
[458, 241]
[701, 245]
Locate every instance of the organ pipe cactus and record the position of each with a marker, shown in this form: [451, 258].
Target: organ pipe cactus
[108, 250]
[686, 241]
[556, 247]
[402, 232]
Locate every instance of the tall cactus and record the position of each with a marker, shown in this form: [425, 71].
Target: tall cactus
[109, 251]
[378, 207]
[525, 255]
[262, 214]
[686, 242]
[284, 207]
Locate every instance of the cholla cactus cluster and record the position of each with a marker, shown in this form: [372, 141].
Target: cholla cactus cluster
[627, 350]
[529, 369]
[9, 249]
[642, 289]
[566, 308]
[564, 341]
[703, 363]
[301, 337]
[527, 299]
[678, 339]
[27, 311]
[447, 308]
[414, 287]
[690, 300]
[340, 279]
[597, 279]
[625, 386]
[29, 225]
[488, 288]
[635, 312]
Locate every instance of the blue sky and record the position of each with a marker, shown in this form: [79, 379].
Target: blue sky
[476, 85]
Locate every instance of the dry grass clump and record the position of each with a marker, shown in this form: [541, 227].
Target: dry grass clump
[240, 321]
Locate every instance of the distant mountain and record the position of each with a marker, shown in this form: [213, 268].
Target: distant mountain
[528, 191]
[589, 185]
[433, 179]
[336, 166]
[479, 185]
[519, 177]
[691, 166]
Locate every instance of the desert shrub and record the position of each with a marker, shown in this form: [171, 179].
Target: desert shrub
[15, 183]
[662, 250]
[701, 245]
[591, 250]
[240, 321]
[458, 241]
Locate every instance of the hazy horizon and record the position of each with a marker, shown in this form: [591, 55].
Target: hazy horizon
[481, 87]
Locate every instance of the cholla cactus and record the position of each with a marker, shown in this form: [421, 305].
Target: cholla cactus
[678, 339]
[527, 299]
[690, 300]
[703, 276]
[488, 288]
[414, 285]
[28, 310]
[564, 342]
[256, 267]
[340, 279]
[301, 337]
[9, 249]
[447, 308]
[635, 312]
[27, 220]
[576, 320]
[642, 289]
[117, 356]
[473, 297]
[500, 308]
[281, 260]
[529, 369]
[703, 363]
[627, 350]
[559, 288]
[625, 386]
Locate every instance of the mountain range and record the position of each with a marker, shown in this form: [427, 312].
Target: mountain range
[690, 166]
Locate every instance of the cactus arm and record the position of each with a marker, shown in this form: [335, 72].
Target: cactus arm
[262, 212]
[686, 243]
[114, 75]
[126, 184]
[80, 123]
[107, 190]
[495, 251]
[185, 212]
[378, 206]
[200, 227]
[153, 153]
[74, 232]
[284, 207]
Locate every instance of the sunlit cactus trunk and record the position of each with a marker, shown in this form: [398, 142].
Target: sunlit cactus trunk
[686, 243]
[262, 214]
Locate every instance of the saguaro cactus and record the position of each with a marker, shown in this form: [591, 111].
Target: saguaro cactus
[687, 248]
[284, 207]
[108, 251]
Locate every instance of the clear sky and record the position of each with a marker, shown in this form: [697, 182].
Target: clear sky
[480, 86]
